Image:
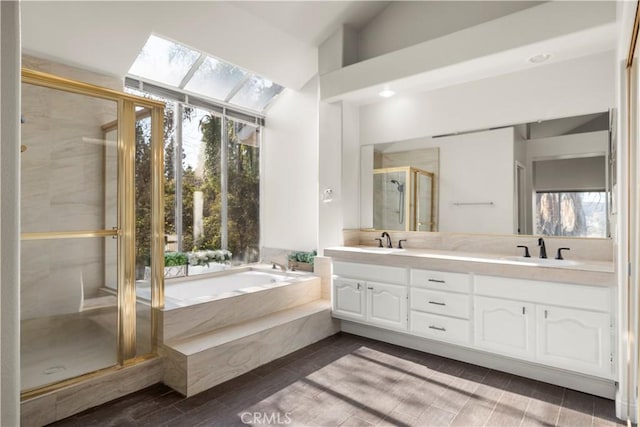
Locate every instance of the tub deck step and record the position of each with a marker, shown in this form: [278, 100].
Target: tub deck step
[200, 362]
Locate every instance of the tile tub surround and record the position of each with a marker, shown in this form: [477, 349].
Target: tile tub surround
[349, 380]
[497, 244]
[198, 363]
[238, 333]
[182, 322]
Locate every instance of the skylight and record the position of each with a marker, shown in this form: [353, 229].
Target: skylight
[175, 65]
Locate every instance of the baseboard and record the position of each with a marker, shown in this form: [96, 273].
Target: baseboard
[592, 385]
[624, 409]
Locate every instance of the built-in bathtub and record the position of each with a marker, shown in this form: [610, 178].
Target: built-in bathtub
[185, 291]
[199, 304]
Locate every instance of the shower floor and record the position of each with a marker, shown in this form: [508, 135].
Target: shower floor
[57, 348]
[61, 347]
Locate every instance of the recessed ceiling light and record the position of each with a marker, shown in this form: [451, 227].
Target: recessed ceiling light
[539, 58]
[387, 93]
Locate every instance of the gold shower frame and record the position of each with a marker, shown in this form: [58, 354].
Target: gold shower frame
[412, 173]
[125, 230]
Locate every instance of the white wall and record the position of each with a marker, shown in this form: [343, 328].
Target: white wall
[350, 169]
[290, 171]
[403, 24]
[331, 220]
[477, 167]
[570, 88]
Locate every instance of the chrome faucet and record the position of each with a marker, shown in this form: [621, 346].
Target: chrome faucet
[276, 264]
[385, 234]
[543, 248]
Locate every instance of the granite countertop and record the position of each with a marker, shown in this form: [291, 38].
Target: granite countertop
[587, 272]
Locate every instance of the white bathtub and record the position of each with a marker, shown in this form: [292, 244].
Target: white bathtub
[194, 290]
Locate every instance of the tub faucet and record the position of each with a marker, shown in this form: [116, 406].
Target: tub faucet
[276, 264]
[385, 234]
[543, 248]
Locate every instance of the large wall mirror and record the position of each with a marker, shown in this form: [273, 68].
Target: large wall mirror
[546, 178]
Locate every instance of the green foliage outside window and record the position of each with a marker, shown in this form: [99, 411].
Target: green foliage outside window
[243, 188]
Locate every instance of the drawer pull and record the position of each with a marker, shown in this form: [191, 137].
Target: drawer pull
[436, 281]
[359, 285]
[436, 303]
[437, 328]
[370, 288]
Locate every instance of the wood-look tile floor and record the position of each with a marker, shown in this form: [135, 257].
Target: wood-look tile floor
[347, 380]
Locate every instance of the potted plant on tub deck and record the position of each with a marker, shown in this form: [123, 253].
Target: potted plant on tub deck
[301, 261]
[208, 261]
[175, 265]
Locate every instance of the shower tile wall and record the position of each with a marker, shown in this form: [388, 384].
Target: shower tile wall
[63, 181]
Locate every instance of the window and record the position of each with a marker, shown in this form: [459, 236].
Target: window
[212, 125]
[571, 213]
[191, 71]
[212, 194]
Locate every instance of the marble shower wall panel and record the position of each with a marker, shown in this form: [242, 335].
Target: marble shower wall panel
[63, 168]
[56, 274]
[63, 181]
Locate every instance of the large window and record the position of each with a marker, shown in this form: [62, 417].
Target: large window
[214, 112]
[577, 213]
[571, 197]
[212, 189]
[220, 186]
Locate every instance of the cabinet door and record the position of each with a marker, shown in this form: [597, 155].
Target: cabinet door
[387, 305]
[349, 299]
[505, 327]
[574, 339]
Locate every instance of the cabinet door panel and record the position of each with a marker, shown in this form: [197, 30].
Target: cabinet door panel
[349, 299]
[387, 305]
[505, 327]
[574, 339]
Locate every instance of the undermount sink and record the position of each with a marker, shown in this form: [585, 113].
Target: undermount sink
[549, 262]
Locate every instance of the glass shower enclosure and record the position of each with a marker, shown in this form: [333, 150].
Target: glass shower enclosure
[80, 315]
[403, 199]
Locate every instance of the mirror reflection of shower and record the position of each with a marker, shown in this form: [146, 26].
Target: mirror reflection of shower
[403, 199]
[400, 188]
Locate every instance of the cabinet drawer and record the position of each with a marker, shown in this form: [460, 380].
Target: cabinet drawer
[440, 327]
[564, 294]
[446, 303]
[378, 273]
[441, 280]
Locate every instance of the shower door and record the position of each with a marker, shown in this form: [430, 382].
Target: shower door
[423, 197]
[390, 202]
[78, 300]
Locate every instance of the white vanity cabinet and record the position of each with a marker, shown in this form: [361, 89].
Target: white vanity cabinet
[349, 298]
[555, 324]
[505, 327]
[440, 305]
[387, 305]
[561, 333]
[573, 339]
[359, 295]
